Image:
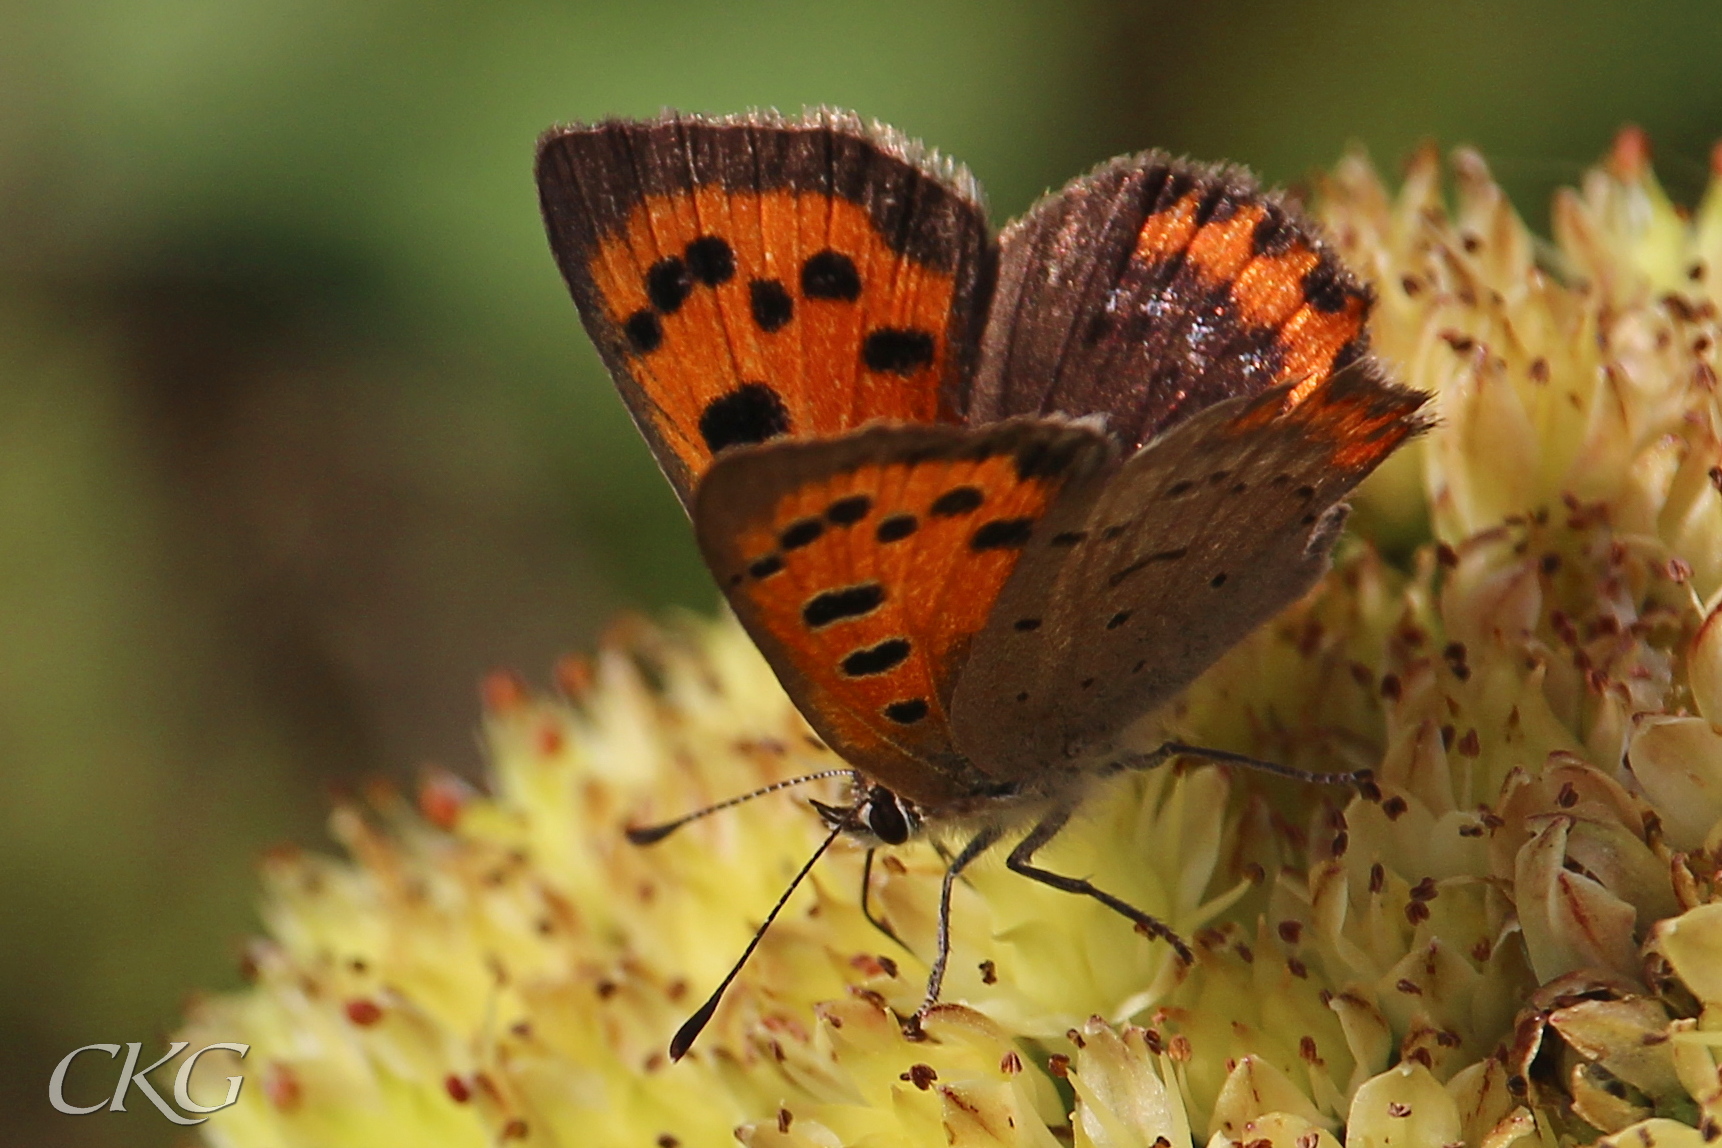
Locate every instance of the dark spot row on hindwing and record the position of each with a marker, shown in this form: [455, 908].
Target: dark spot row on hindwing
[849, 510]
[908, 711]
[830, 606]
[803, 532]
[1118, 576]
[956, 501]
[896, 527]
[766, 567]
[876, 659]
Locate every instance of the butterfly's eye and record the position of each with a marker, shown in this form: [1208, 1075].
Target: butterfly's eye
[885, 818]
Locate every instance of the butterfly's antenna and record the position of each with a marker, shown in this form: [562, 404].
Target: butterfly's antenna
[1362, 779]
[694, 1025]
[652, 834]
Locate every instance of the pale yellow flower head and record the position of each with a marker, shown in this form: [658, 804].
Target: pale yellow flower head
[1522, 940]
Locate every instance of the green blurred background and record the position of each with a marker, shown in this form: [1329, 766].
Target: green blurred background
[299, 433]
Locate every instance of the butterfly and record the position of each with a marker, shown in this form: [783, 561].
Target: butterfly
[981, 502]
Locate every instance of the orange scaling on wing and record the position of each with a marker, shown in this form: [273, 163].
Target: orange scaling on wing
[879, 578]
[1221, 248]
[814, 315]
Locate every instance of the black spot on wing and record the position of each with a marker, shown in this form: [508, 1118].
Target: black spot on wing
[831, 606]
[1349, 354]
[896, 528]
[830, 275]
[879, 659]
[1118, 576]
[1042, 459]
[753, 412]
[803, 532]
[1274, 234]
[767, 566]
[1068, 538]
[710, 260]
[957, 500]
[1026, 625]
[772, 307]
[848, 511]
[908, 711]
[898, 350]
[1325, 288]
[1216, 205]
[1118, 619]
[668, 283]
[645, 333]
[1002, 534]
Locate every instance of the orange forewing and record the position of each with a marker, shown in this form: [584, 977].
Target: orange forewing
[712, 343]
[864, 567]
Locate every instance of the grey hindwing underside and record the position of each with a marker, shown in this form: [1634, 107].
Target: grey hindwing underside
[1141, 583]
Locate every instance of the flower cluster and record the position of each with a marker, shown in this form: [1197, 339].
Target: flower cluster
[1520, 939]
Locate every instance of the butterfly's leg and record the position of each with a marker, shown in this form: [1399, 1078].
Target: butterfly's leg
[1362, 779]
[977, 845]
[1020, 861]
[867, 904]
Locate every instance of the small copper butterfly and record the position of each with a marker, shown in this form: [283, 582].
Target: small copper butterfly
[981, 502]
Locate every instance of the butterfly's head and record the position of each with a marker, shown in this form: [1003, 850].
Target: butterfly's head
[879, 816]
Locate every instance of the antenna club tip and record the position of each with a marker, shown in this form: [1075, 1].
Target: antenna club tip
[648, 834]
[692, 1027]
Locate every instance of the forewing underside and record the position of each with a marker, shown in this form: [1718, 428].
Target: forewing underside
[756, 277]
[864, 566]
[1187, 547]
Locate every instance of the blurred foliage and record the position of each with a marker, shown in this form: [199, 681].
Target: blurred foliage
[299, 433]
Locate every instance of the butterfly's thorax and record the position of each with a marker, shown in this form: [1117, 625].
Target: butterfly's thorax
[887, 817]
